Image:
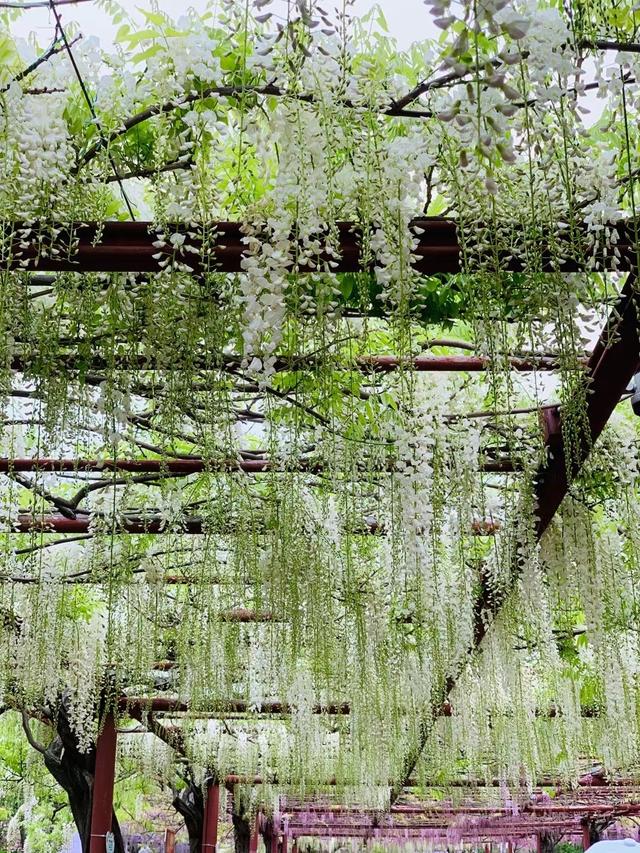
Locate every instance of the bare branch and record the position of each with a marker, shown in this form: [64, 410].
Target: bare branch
[144, 479]
[39, 4]
[621, 46]
[173, 166]
[175, 104]
[53, 50]
[42, 545]
[32, 741]
[63, 506]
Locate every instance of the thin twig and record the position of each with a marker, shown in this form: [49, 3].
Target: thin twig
[63, 506]
[621, 46]
[87, 98]
[144, 479]
[33, 742]
[174, 166]
[45, 544]
[53, 50]
[39, 4]
[178, 103]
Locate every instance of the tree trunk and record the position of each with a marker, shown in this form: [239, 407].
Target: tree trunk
[189, 802]
[549, 841]
[241, 833]
[74, 771]
[596, 827]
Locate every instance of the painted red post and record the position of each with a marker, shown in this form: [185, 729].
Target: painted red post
[586, 839]
[210, 822]
[253, 838]
[294, 846]
[538, 843]
[103, 782]
[274, 840]
[169, 841]
[285, 843]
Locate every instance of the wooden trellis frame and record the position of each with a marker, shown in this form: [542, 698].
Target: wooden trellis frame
[128, 247]
[116, 246]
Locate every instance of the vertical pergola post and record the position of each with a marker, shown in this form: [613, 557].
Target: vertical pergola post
[103, 783]
[253, 838]
[586, 835]
[169, 841]
[210, 823]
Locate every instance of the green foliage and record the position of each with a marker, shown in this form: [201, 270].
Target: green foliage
[391, 521]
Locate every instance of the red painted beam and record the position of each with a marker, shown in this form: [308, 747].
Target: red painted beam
[193, 466]
[446, 363]
[612, 364]
[141, 706]
[210, 822]
[103, 783]
[169, 841]
[432, 831]
[243, 779]
[329, 812]
[190, 526]
[253, 837]
[244, 615]
[128, 247]
[366, 364]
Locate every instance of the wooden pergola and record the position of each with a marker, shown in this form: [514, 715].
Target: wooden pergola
[120, 246]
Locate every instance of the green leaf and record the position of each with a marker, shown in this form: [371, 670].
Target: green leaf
[147, 54]
[153, 17]
[123, 33]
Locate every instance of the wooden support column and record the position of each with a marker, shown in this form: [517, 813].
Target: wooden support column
[586, 835]
[103, 782]
[253, 838]
[285, 843]
[538, 843]
[169, 841]
[210, 822]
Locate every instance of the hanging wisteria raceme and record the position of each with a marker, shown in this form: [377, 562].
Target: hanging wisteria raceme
[391, 530]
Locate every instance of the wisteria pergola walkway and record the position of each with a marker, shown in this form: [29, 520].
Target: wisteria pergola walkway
[611, 365]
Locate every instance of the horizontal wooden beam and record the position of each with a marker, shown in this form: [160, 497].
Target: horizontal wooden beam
[365, 364]
[139, 707]
[338, 811]
[201, 465]
[129, 247]
[190, 526]
[177, 708]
